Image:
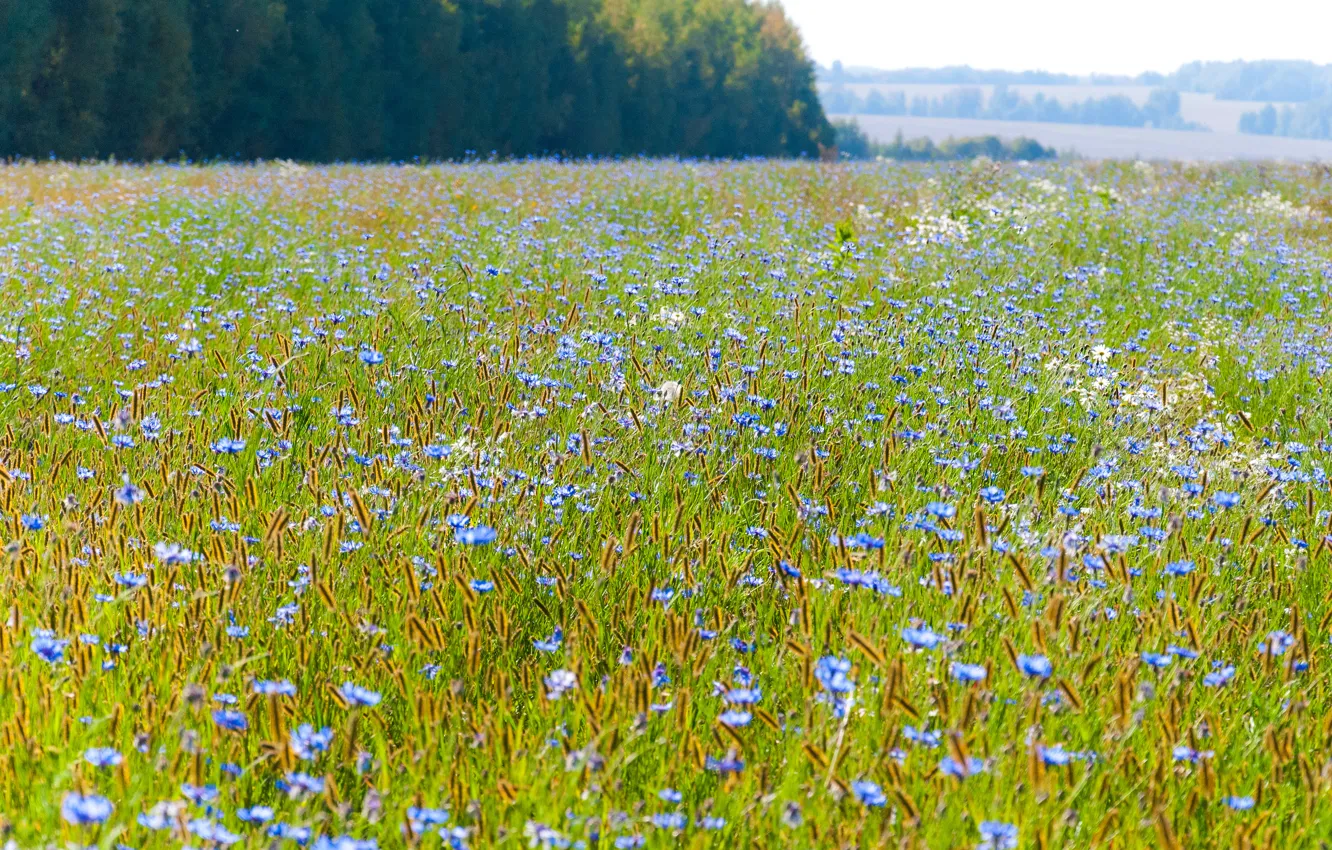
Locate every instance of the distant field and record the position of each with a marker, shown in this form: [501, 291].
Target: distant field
[1100, 141]
[1220, 115]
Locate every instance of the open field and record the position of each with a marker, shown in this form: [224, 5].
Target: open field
[1221, 116]
[1096, 141]
[666, 504]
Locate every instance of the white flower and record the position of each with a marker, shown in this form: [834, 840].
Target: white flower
[669, 392]
[560, 681]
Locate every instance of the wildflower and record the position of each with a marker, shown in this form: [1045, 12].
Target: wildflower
[80, 809]
[274, 688]
[552, 643]
[231, 720]
[942, 510]
[480, 535]
[968, 672]
[997, 836]
[172, 553]
[307, 743]
[868, 793]
[735, 717]
[559, 682]
[668, 393]
[1036, 666]
[950, 766]
[830, 671]
[102, 757]
[357, 696]
[127, 494]
[48, 647]
[922, 638]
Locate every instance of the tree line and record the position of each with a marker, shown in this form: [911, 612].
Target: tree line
[1309, 120]
[854, 143]
[325, 80]
[1161, 109]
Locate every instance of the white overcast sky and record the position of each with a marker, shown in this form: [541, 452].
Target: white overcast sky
[1068, 36]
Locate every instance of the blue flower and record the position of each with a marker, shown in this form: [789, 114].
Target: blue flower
[307, 743]
[81, 809]
[371, 357]
[942, 510]
[993, 495]
[480, 535]
[355, 695]
[923, 638]
[102, 757]
[552, 643]
[734, 717]
[996, 835]
[830, 671]
[950, 766]
[280, 687]
[968, 672]
[1179, 568]
[868, 793]
[231, 719]
[50, 648]
[1036, 666]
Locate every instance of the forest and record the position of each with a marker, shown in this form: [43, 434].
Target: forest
[377, 80]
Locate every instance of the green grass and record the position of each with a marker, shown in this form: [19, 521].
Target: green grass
[1123, 350]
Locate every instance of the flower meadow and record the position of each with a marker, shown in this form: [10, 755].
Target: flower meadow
[658, 503]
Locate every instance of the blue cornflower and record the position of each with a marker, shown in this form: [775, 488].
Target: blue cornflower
[231, 719]
[307, 742]
[552, 643]
[922, 637]
[355, 695]
[734, 717]
[830, 671]
[50, 648]
[968, 672]
[103, 757]
[942, 510]
[279, 687]
[480, 535]
[996, 835]
[82, 809]
[1036, 666]
[868, 793]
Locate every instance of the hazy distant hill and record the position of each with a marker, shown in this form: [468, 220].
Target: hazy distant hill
[1234, 99]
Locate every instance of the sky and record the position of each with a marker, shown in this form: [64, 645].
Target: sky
[1066, 36]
